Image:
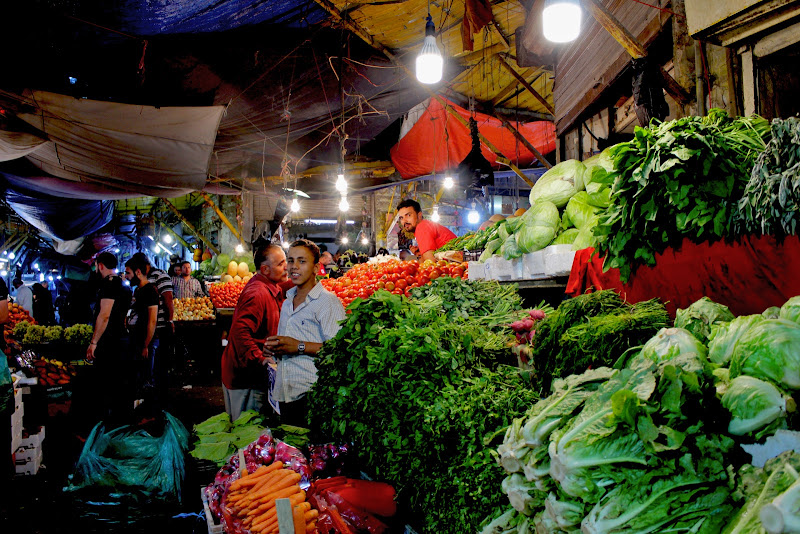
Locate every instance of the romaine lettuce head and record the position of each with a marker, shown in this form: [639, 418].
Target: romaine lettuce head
[754, 405]
[700, 315]
[559, 184]
[769, 350]
[791, 310]
[725, 336]
[579, 210]
[671, 342]
[567, 237]
[540, 224]
[783, 513]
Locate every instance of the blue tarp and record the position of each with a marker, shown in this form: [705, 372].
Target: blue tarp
[62, 218]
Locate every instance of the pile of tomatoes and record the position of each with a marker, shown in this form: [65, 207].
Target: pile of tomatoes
[398, 277]
[225, 294]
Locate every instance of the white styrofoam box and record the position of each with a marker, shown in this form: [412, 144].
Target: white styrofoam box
[30, 466]
[558, 260]
[502, 269]
[214, 527]
[533, 265]
[16, 434]
[33, 441]
[17, 399]
[23, 455]
[476, 270]
[518, 268]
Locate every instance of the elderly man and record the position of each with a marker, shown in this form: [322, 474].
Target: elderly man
[244, 375]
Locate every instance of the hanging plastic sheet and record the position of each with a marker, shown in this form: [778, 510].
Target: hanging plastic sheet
[63, 219]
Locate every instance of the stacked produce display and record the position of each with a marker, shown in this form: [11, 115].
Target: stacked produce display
[16, 314]
[194, 309]
[394, 276]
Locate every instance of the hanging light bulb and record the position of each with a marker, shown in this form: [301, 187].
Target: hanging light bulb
[35, 265]
[239, 248]
[435, 214]
[343, 204]
[364, 240]
[561, 20]
[345, 240]
[11, 255]
[167, 239]
[430, 62]
[50, 277]
[116, 251]
[341, 183]
[3, 273]
[448, 182]
[285, 244]
[295, 205]
[41, 277]
[473, 216]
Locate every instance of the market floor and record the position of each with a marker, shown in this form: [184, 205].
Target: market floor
[38, 504]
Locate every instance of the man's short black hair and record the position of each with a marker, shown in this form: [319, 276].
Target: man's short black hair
[141, 257]
[17, 282]
[184, 262]
[409, 203]
[136, 263]
[310, 245]
[108, 260]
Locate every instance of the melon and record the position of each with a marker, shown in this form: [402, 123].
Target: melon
[496, 217]
[520, 212]
[233, 268]
[226, 278]
[243, 270]
[237, 278]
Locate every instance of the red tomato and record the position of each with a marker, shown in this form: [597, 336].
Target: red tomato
[436, 273]
[390, 286]
[402, 284]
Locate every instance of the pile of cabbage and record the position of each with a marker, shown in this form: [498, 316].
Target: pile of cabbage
[652, 445]
[564, 206]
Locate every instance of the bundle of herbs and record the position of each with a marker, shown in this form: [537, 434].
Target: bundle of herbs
[417, 392]
[675, 180]
[771, 201]
[481, 300]
[591, 330]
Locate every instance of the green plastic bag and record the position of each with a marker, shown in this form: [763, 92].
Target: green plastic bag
[6, 387]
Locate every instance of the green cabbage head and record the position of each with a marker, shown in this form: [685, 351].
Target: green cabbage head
[791, 310]
[671, 342]
[700, 315]
[579, 210]
[770, 350]
[725, 336]
[754, 405]
[567, 237]
[559, 184]
[539, 227]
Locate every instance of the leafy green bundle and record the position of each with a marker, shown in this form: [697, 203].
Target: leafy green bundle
[418, 391]
[771, 201]
[591, 330]
[675, 180]
[480, 300]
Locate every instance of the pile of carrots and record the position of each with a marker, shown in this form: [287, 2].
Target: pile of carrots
[251, 500]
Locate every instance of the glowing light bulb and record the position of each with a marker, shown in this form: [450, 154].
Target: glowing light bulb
[50, 277]
[239, 248]
[343, 204]
[59, 276]
[11, 255]
[3, 273]
[561, 20]
[345, 240]
[116, 251]
[167, 239]
[285, 244]
[295, 205]
[41, 277]
[448, 182]
[430, 62]
[35, 265]
[341, 184]
[473, 217]
[364, 241]
[435, 215]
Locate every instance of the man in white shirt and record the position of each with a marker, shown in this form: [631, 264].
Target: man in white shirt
[24, 296]
[310, 315]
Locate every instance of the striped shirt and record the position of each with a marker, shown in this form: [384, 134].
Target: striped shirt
[186, 288]
[163, 283]
[316, 320]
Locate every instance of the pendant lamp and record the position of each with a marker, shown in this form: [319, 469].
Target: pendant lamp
[561, 20]
[429, 61]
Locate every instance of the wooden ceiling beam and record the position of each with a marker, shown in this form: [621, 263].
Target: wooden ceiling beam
[526, 85]
[366, 37]
[621, 34]
[508, 89]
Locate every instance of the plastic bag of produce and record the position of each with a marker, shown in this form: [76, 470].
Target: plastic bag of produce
[579, 210]
[540, 225]
[700, 316]
[559, 184]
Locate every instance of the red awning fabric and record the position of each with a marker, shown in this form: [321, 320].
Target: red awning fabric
[437, 141]
[748, 276]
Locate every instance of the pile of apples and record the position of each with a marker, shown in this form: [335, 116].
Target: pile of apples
[194, 309]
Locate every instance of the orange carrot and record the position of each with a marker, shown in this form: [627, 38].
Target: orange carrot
[293, 493]
[252, 479]
[270, 515]
[266, 486]
[311, 527]
[289, 480]
[310, 515]
[297, 519]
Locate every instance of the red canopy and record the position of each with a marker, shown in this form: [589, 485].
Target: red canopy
[437, 141]
[748, 276]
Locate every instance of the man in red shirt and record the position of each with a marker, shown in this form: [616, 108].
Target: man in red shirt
[244, 375]
[429, 235]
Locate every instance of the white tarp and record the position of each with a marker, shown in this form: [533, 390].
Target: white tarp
[147, 150]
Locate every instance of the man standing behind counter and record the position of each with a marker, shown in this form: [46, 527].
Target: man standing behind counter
[244, 375]
[429, 235]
